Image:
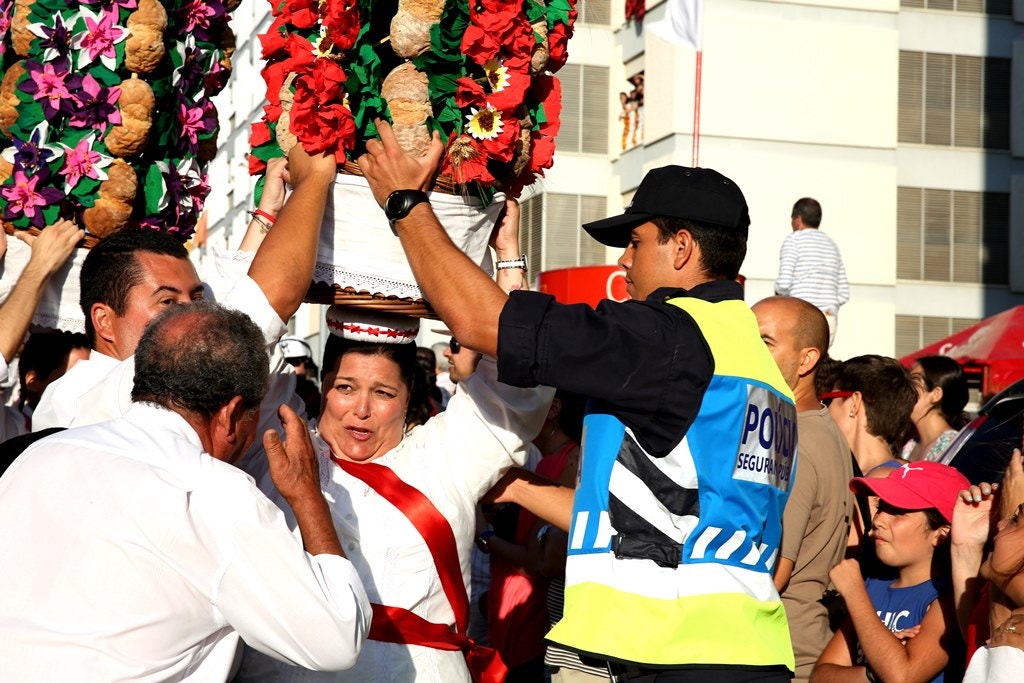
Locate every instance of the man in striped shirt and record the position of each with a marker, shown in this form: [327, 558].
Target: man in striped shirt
[810, 266]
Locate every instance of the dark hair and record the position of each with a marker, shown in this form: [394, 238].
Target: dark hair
[722, 250]
[570, 417]
[43, 353]
[111, 269]
[945, 373]
[404, 355]
[198, 357]
[808, 210]
[827, 371]
[888, 392]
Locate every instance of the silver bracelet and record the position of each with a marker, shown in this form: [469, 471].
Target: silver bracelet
[508, 264]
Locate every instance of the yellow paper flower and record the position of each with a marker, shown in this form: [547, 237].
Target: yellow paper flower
[484, 124]
[497, 75]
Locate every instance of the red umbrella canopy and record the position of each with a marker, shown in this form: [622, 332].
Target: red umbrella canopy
[996, 343]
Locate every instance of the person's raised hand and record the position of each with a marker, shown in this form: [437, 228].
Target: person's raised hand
[505, 236]
[293, 463]
[302, 166]
[1011, 490]
[274, 191]
[52, 247]
[387, 167]
[974, 515]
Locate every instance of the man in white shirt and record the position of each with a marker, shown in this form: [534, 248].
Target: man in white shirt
[150, 555]
[810, 265]
[129, 278]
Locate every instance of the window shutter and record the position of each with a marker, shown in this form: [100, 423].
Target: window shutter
[966, 237]
[592, 252]
[532, 222]
[908, 334]
[560, 230]
[595, 12]
[910, 92]
[594, 134]
[568, 139]
[908, 233]
[936, 234]
[967, 114]
[938, 98]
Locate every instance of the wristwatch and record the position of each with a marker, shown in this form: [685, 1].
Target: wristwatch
[400, 202]
[512, 263]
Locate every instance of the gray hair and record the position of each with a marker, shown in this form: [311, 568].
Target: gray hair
[197, 357]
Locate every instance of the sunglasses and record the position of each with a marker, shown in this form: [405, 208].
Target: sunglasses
[826, 398]
[454, 346]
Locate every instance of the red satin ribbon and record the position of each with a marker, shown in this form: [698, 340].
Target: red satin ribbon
[399, 625]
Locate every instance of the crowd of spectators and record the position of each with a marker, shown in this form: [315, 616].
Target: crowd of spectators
[193, 541]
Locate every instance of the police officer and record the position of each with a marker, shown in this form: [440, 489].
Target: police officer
[688, 452]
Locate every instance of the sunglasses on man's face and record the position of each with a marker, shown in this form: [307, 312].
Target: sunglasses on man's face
[826, 398]
[454, 346]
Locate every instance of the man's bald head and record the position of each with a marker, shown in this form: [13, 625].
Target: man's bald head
[807, 324]
[796, 334]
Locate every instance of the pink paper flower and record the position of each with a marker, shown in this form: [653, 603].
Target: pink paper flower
[98, 39]
[83, 162]
[24, 199]
[47, 85]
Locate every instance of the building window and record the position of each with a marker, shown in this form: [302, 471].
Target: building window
[584, 109]
[554, 237]
[952, 236]
[999, 7]
[954, 100]
[594, 12]
[914, 332]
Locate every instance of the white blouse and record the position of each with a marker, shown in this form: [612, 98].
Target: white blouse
[453, 459]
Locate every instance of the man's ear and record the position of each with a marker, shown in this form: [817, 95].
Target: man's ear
[229, 418]
[809, 358]
[103, 317]
[685, 248]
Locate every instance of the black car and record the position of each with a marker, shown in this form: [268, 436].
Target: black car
[985, 445]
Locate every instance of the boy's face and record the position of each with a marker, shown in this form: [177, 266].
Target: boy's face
[903, 538]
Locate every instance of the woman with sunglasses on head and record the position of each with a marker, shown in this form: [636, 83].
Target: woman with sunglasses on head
[870, 401]
[901, 629]
[938, 414]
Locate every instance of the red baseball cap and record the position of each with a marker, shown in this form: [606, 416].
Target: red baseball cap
[917, 486]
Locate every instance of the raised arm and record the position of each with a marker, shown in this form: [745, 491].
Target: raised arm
[50, 250]
[270, 205]
[464, 296]
[283, 266]
[973, 522]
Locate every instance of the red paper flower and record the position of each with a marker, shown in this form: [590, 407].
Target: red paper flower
[558, 41]
[299, 13]
[260, 134]
[341, 26]
[469, 93]
[256, 165]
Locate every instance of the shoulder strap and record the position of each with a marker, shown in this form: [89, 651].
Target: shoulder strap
[430, 523]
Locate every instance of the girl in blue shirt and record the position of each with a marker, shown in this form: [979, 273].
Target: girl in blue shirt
[900, 629]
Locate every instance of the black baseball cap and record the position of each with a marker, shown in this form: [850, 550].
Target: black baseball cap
[701, 195]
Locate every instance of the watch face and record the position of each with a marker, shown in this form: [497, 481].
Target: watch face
[397, 205]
